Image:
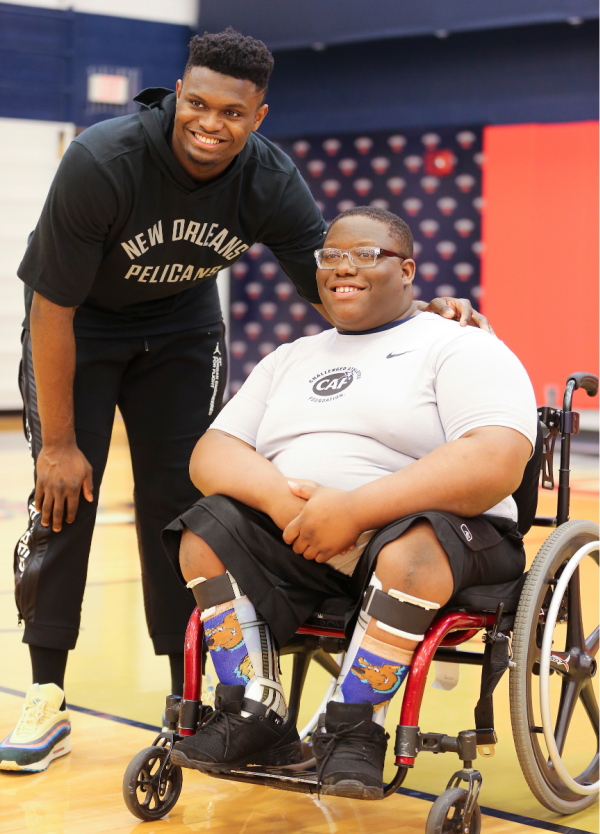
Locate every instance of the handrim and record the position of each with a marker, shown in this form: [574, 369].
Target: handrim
[544, 783]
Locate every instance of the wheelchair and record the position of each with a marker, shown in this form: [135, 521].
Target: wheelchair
[518, 619]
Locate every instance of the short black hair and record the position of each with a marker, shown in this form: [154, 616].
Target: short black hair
[397, 228]
[234, 54]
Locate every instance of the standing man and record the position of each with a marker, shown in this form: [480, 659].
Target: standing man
[122, 310]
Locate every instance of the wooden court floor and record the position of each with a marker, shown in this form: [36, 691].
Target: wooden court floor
[117, 684]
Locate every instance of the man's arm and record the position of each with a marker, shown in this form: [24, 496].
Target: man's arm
[295, 229]
[466, 476]
[62, 469]
[223, 464]
[62, 258]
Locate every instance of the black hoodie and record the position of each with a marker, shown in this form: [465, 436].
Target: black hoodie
[131, 239]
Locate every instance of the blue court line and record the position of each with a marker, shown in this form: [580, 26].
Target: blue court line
[429, 797]
[96, 713]
[504, 815]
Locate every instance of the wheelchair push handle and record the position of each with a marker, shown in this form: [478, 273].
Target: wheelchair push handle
[589, 383]
[570, 425]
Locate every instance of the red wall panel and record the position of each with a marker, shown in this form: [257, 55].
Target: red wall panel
[540, 255]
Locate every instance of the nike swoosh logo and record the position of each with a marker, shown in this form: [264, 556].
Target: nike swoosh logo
[393, 355]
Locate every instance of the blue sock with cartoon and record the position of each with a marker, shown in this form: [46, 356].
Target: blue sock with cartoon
[242, 650]
[372, 671]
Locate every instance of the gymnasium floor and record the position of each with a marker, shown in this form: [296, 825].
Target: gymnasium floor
[118, 686]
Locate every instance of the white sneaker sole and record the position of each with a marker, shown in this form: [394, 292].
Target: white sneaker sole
[61, 748]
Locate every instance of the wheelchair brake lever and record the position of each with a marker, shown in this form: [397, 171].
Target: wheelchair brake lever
[492, 636]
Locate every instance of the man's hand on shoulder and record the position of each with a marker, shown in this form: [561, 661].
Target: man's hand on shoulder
[61, 473]
[325, 527]
[457, 309]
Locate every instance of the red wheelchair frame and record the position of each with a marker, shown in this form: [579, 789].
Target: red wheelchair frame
[448, 630]
[160, 780]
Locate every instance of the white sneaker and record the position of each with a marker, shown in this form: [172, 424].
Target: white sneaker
[42, 734]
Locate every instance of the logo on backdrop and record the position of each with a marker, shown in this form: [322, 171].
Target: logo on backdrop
[331, 384]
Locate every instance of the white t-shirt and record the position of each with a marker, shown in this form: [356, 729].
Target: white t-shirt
[345, 409]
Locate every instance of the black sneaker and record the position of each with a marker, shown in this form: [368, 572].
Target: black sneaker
[226, 740]
[350, 751]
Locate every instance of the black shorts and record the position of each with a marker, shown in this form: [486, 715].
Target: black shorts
[287, 589]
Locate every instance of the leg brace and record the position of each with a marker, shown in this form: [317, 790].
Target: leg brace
[398, 613]
[264, 684]
[209, 593]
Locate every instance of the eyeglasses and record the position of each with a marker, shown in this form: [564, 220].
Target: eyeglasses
[360, 256]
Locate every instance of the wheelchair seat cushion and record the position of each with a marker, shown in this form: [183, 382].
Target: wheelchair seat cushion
[477, 599]
[485, 598]
[330, 613]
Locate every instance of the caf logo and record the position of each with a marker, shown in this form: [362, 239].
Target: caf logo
[332, 384]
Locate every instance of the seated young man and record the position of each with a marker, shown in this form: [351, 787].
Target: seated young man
[398, 428]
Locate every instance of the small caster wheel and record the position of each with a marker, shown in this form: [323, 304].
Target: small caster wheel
[447, 814]
[149, 790]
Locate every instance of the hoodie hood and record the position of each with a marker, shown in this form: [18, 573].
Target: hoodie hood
[141, 243]
[157, 116]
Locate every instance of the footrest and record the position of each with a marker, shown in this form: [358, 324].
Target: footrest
[281, 778]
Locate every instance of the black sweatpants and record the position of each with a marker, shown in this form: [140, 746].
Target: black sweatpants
[168, 388]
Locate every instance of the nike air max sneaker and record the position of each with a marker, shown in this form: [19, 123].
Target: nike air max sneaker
[42, 734]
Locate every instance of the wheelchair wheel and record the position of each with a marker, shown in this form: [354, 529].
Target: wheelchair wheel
[572, 667]
[446, 815]
[149, 791]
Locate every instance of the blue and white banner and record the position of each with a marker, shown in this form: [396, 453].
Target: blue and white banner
[432, 179]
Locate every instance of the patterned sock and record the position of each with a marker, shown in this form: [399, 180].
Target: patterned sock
[242, 650]
[372, 671]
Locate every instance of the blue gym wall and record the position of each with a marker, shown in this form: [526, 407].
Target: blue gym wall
[44, 56]
[546, 73]
[533, 73]
[383, 169]
[288, 24]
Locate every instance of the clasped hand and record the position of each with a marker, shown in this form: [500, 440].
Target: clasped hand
[325, 526]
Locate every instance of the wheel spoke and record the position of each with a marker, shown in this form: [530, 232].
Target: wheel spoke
[591, 644]
[559, 662]
[575, 635]
[588, 699]
[569, 694]
[165, 783]
[148, 794]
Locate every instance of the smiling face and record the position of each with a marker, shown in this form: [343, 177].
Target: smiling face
[215, 115]
[359, 298]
